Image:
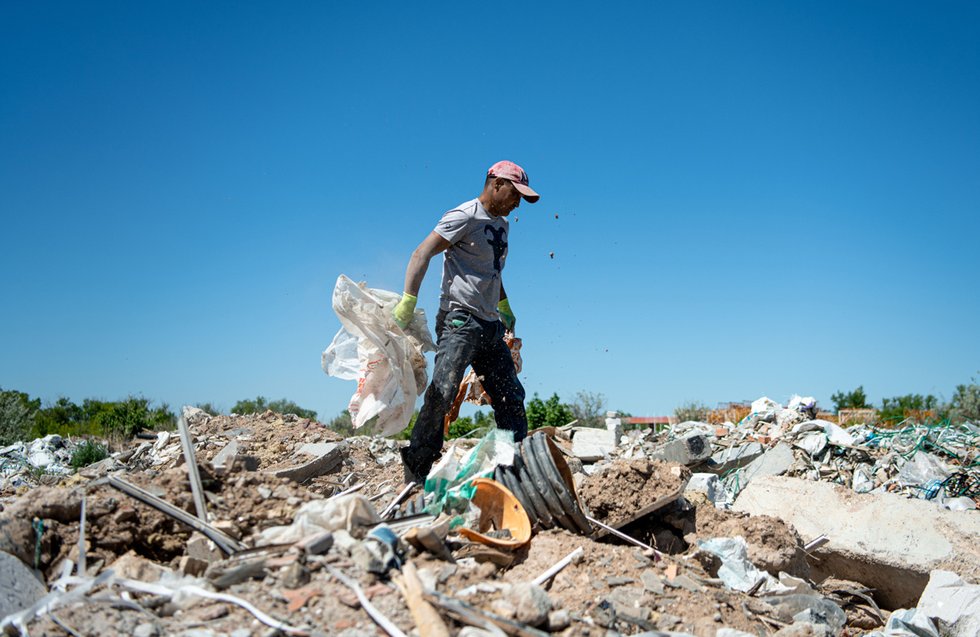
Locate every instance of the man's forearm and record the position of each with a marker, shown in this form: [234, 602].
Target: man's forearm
[417, 267]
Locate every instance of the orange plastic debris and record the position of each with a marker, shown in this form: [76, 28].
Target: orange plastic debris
[499, 509]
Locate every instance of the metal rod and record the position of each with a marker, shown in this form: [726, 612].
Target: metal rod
[398, 500]
[227, 544]
[558, 567]
[192, 473]
[81, 541]
[622, 535]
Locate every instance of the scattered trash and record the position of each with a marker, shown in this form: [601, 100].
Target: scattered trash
[280, 525]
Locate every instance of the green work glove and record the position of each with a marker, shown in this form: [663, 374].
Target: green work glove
[405, 310]
[506, 314]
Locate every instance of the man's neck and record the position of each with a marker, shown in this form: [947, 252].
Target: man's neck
[484, 200]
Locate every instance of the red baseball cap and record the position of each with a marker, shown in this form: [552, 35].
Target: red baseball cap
[517, 176]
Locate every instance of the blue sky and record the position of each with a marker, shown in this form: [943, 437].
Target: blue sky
[742, 199]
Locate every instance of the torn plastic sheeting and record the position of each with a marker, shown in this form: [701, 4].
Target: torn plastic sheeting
[812, 609]
[736, 571]
[812, 442]
[450, 479]
[387, 362]
[353, 513]
[907, 622]
[925, 471]
[863, 479]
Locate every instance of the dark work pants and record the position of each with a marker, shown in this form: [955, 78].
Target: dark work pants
[464, 340]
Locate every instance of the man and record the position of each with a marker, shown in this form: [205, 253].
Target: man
[473, 312]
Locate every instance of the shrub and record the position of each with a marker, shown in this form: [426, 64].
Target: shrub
[693, 410]
[88, 453]
[965, 405]
[17, 414]
[281, 406]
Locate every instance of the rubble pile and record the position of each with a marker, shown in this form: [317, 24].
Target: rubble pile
[42, 460]
[268, 524]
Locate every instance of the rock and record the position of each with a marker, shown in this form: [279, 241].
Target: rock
[617, 580]
[803, 629]
[132, 566]
[531, 603]
[295, 576]
[652, 582]
[883, 540]
[504, 608]
[264, 492]
[19, 589]
[559, 620]
[192, 566]
[146, 630]
[201, 548]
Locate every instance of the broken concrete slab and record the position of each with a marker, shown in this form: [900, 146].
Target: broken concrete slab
[589, 444]
[882, 540]
[952, 603]
[706, 483]
[19, 588]
[734, 457]
[774, 462]
[326, 457]
[689, 450]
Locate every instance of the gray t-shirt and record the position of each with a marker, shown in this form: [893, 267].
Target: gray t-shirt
[474, 260]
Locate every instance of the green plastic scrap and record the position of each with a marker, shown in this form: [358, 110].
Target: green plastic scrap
[452, 481]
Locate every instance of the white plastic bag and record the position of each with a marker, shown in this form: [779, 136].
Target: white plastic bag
[387, 362]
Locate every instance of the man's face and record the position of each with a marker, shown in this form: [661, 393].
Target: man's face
[505, 198]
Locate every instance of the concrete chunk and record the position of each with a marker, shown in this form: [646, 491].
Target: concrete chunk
[689, 450]
[774, 462]
[882, 540]
[735, 457]
[20, 589]
[590, 445]
[952, 603]
[326, 457]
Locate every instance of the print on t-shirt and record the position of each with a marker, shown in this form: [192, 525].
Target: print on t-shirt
[498, 243]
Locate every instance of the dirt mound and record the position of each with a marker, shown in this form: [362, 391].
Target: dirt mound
[773, 545]
[621, 489]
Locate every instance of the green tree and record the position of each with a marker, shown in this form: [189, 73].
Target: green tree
[63, 417]
[17, 416]
[467, 425]
[856, 399]
[209, 408]
[589, 409]
[548, 413]
[282, 406]
[965, 405]
[914, 406]
[342, 424]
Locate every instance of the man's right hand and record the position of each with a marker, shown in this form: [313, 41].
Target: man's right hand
[405, 310]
